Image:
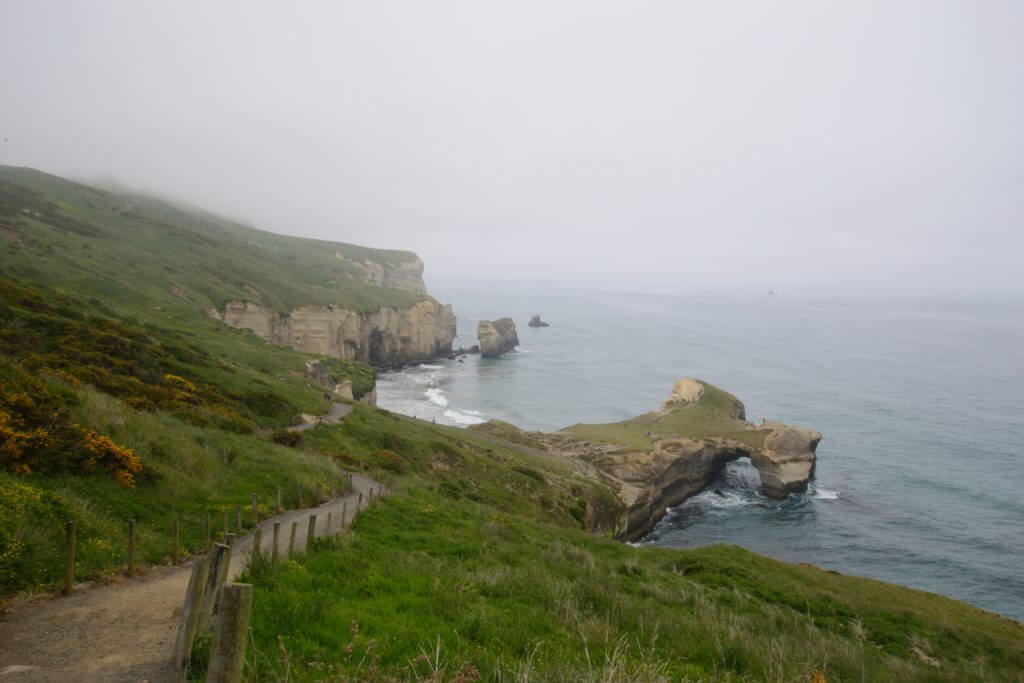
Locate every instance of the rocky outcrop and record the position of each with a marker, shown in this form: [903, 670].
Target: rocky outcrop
[660, 459]
[535, 321]
[405, 275]
[386, 337]
[497, 337]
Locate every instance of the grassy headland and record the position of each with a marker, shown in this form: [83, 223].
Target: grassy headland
[478, 565]
[122, 399]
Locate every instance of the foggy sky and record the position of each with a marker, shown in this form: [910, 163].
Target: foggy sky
[698, 145]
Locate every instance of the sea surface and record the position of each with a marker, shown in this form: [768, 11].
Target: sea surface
[920, 475]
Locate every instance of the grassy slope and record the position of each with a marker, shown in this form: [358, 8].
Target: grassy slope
[84, 240]
[478, 563]
[188, 471]
[481, 551]
[711, 416]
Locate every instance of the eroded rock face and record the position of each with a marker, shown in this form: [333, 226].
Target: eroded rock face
[787, 460]
[383, 338]
[407, 275]
[497, 337]
[678, 466]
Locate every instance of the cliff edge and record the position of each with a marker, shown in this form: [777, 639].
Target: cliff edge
[664, 457]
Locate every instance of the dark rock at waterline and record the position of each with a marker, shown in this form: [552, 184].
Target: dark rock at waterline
[535, 321]
[718, 492]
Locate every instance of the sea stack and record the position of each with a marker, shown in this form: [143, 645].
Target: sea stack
[497, 337]
[535, 321]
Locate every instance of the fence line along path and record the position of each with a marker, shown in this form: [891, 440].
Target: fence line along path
[126, 631]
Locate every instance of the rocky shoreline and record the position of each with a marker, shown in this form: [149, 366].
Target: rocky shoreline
[661, 459]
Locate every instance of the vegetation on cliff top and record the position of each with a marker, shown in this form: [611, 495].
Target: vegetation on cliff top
[713, 416]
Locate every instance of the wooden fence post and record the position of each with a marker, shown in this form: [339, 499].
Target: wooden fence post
[255, 512]
[311, 533]
[174, 534]
[291, 539]
[327, 531]
[69, 561]
[231, 634]
[273, 550]
[344, 514]
[131, 547]
[359, 505]
[219, 558]
[257, 543]
[190, 617]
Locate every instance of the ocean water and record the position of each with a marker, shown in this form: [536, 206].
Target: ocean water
[920, 475]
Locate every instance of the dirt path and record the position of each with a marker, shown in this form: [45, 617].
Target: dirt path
[125, 631]
[338, 411]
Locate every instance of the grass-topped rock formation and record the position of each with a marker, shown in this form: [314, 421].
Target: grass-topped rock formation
[661, 458]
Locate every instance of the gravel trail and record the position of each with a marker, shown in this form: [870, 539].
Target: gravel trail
[125, 631]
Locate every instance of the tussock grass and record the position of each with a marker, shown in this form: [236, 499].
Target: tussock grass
[442, 592]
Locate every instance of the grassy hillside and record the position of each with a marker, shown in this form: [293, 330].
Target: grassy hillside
[103, 419]
[120, 398]
[174, 262]
[478, 566]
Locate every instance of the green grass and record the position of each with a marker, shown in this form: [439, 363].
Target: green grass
[150, 259]
[363, 377]
[492, 557]
[188, 471]
[711, 417]
[508, 433]
[442, 586]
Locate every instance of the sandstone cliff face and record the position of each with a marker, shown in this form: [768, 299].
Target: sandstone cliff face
[407, 275]
[383, 338]
[497, 337]
[677, 466]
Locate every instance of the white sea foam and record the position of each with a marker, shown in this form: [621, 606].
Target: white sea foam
[462, 418]
[825, 494]
[436, 396]
[431, 367]
[727, 499]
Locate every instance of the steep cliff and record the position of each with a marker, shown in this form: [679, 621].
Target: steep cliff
[383, 338]
[497, 337]
[405, 275]
[660, 459]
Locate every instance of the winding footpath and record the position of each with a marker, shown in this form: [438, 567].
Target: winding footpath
[125, 631]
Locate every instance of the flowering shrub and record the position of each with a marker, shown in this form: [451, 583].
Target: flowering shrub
[36, 434]
[47, 332]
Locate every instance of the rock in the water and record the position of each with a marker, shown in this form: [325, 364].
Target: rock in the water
[497, 337]
[535, 321]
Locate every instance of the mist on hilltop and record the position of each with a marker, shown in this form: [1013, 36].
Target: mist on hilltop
[792, 146]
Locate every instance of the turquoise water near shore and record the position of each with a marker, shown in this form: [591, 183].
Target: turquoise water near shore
[920, 474]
